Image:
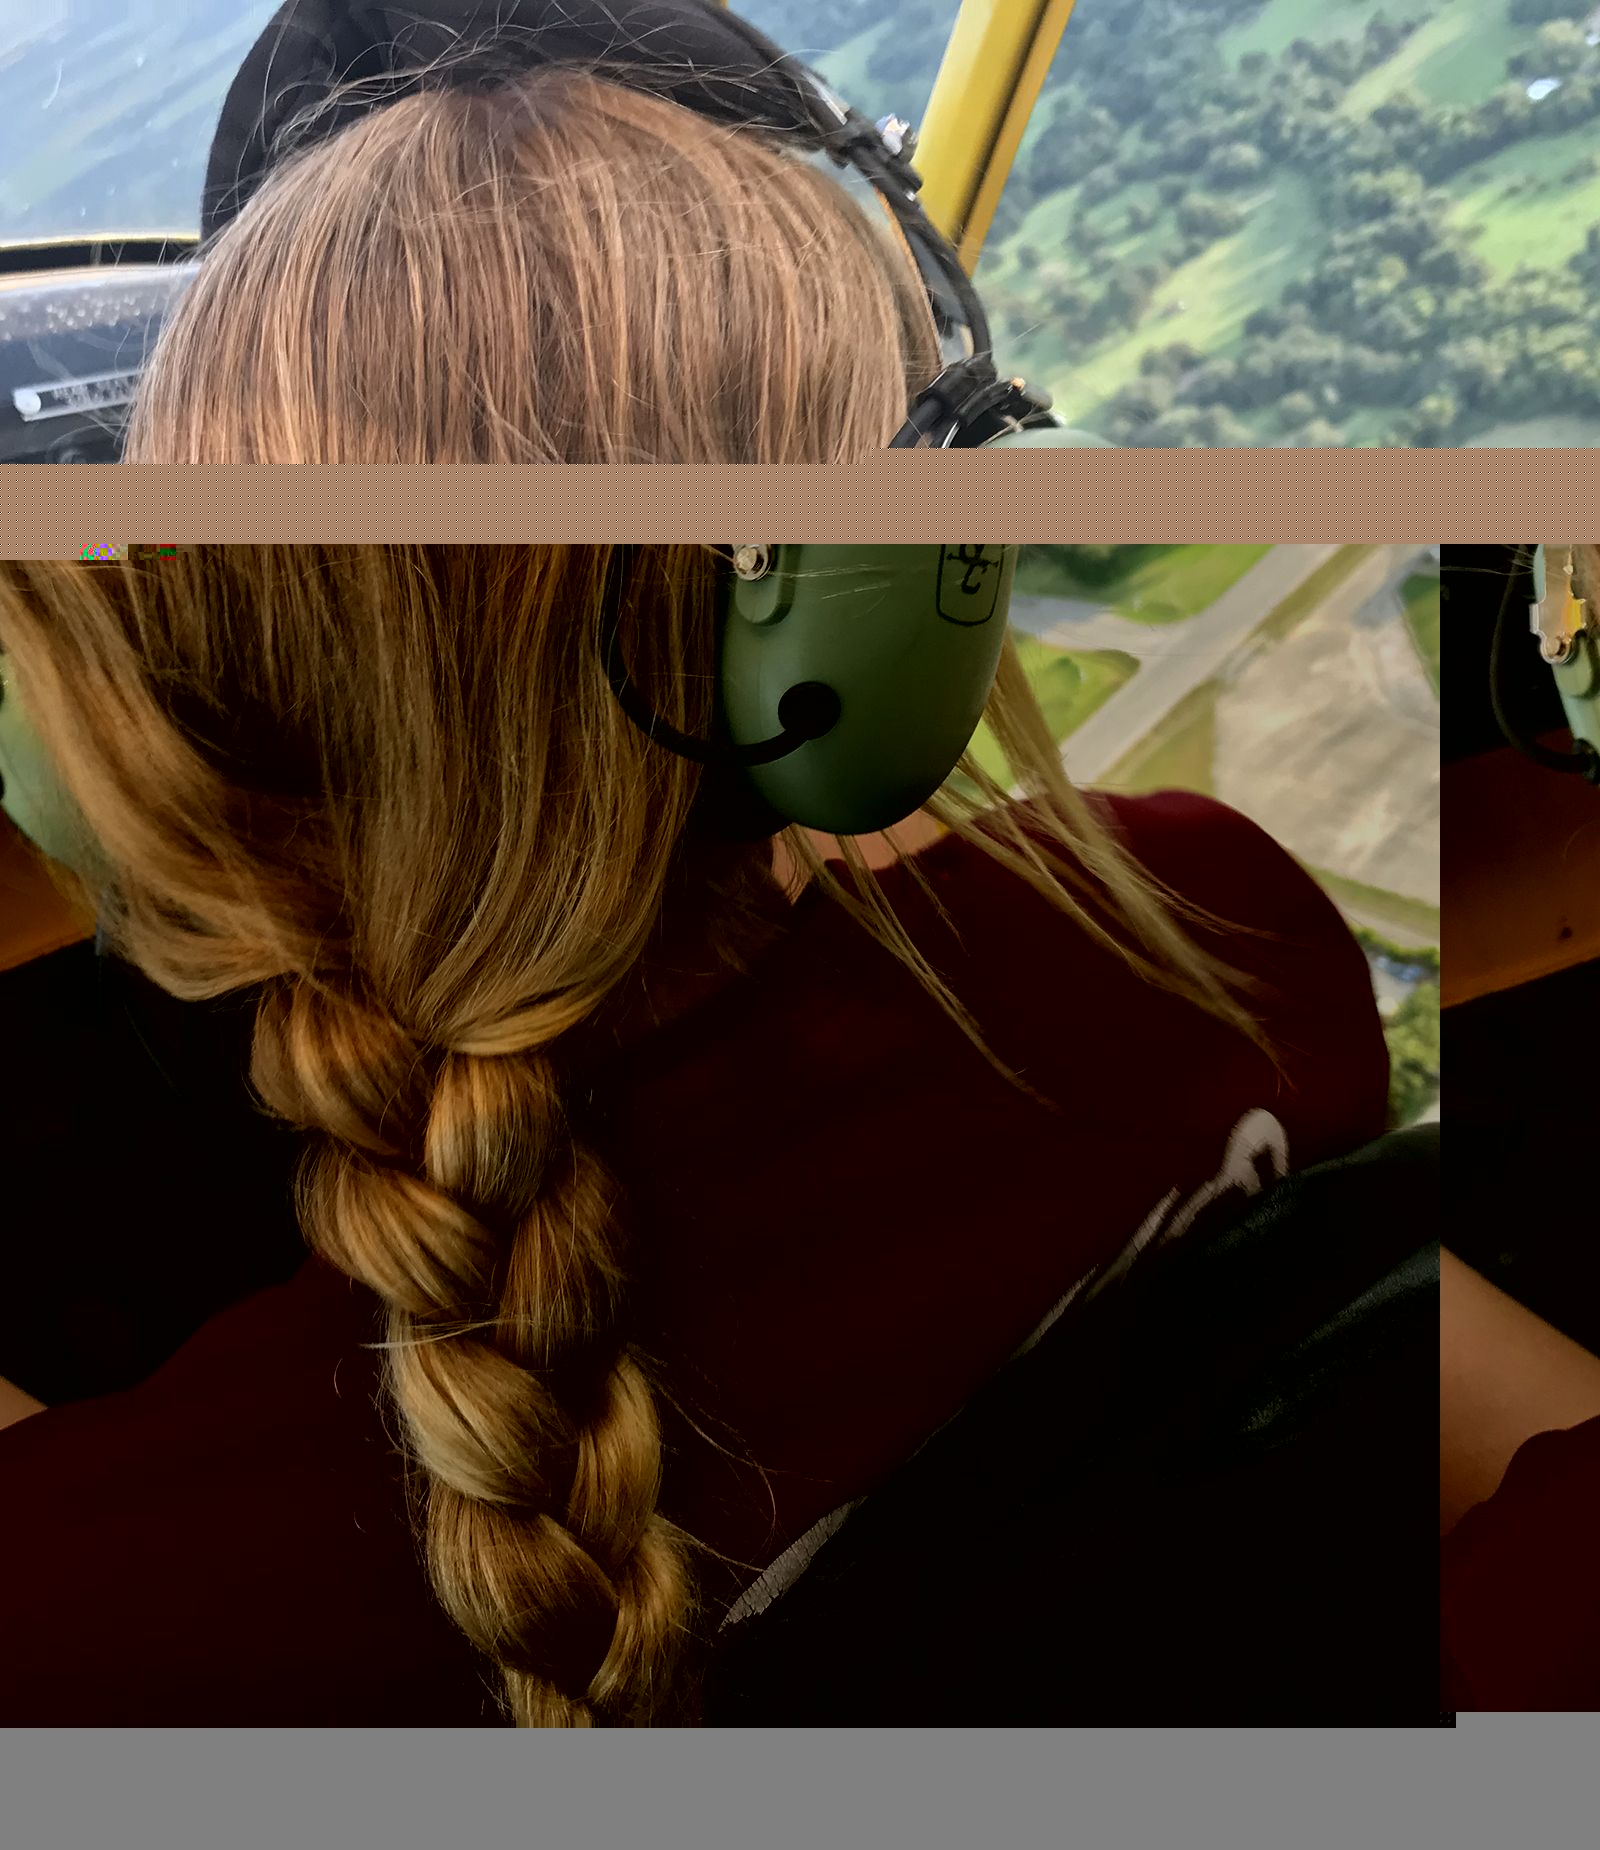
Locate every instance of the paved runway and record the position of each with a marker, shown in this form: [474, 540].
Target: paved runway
[1329, 739]
[1173, 657]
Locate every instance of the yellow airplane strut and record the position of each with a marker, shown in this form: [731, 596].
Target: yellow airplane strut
[993, 69]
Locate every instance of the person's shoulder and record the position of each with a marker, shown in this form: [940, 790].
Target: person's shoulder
[1208, 850]
[1208, 855]
[1186, 839]
[1163, 819]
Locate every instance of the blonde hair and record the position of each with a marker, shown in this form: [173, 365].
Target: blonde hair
[391, 789]
[557, 269]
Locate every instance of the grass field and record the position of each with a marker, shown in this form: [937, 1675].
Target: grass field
[1458, 56]
[1069, 685]
[1305, 598]
[1179, 754]
[1281, 22]
[1574, 433]
[135, 107]
[1164, 584]
[1421, 598]
[1185, 581]
[1364, 428]
[1394, 910]
[1517, 207]
[1205, 302]
[1545, 220]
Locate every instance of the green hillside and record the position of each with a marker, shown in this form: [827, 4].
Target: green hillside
[1348, 225]
[1147, 584]
[1533, 203]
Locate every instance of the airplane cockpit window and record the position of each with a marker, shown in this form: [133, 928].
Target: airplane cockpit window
[107, 106]
[1232, 222]
[880, 55]
[107, 110]
[106, 113]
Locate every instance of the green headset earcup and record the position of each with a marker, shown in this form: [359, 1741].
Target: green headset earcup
[30, 792]
[909, 637]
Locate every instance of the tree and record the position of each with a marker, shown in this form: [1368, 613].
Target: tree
[1221, 430]
[1413, 1036]
[1057, 161]
[1125, 300]
[1434, 419]
[1206, 217]
[1265, 322]
[1475, 370]
[1181, 428]
[1145, 399]
[1450, 266]
[1586, 262]
[1233, 164]
[1559, 48]
[1380, 195]
[1216, 382]
[1382, 38]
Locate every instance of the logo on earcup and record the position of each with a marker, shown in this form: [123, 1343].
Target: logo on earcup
[969, 584]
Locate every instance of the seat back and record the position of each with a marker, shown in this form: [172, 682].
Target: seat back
[1207, 1497]
[145, 1193]
[36, 917]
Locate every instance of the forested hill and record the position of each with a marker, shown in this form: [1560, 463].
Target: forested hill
[1239, 221]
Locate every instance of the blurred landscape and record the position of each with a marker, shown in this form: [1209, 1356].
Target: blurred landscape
[107, 109]
[1359, 222]
[1364, 222]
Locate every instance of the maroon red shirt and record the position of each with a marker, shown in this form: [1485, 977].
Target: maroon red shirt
[846, 1221]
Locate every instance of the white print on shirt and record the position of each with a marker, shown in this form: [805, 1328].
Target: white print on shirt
[787, 1569]
[1257, 1155]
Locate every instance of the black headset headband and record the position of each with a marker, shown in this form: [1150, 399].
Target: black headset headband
[321, 64]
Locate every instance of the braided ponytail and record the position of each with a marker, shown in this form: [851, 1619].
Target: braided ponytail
[455, 1188]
